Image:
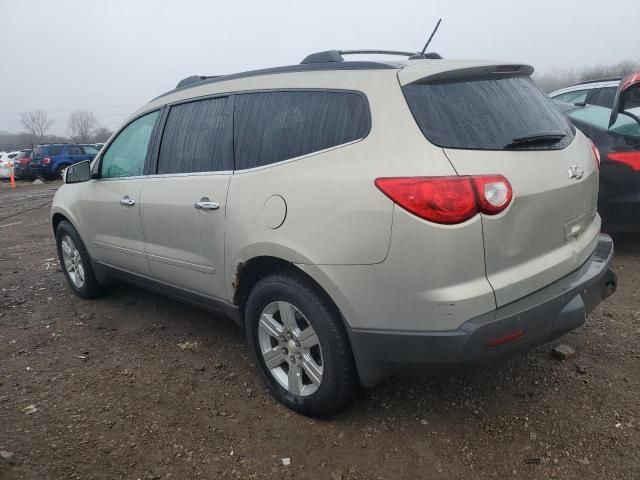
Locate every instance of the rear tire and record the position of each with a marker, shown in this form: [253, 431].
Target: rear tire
[295, 328]
[76, 262]
[57, 175]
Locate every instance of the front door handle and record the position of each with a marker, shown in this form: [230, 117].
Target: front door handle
[127, 202]
[205, 204]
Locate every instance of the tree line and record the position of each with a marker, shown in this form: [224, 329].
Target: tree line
[557, 79]
[82, 127]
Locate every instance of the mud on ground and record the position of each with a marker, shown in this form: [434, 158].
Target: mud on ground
[134, 385]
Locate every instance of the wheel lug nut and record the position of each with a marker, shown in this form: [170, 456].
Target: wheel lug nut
[297, 343]
[293, 359]
[285, 351]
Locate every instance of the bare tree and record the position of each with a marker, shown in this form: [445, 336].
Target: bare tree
[81, 125]
[101, 134]
[37, 123]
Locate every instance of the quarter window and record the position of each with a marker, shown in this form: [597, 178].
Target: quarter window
[89, 150]
[275, 126]
[198, 137]
[127, 153]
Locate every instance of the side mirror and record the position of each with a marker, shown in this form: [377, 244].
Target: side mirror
[627, 97]
[78, 172]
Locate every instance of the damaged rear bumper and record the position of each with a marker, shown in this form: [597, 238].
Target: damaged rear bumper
[514, 328]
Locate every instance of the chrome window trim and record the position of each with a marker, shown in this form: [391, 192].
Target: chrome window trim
[295, 159]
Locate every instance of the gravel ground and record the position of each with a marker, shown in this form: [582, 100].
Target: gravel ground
[136, 386]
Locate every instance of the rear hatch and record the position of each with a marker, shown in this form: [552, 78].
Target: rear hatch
[492, 119]
[36, 157]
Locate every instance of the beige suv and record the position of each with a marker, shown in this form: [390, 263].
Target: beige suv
[358, 219]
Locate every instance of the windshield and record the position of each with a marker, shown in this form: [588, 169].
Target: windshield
[599, 117]
[486, 114]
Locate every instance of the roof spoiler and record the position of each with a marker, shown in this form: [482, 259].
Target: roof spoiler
[417, 74]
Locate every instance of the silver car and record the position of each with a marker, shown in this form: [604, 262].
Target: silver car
[358, 219]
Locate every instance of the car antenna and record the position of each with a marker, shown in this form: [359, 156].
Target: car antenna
[431, 37]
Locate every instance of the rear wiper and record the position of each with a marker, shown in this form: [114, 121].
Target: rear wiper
[540, 137]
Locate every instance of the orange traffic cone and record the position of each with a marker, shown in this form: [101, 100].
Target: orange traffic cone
[12, 178]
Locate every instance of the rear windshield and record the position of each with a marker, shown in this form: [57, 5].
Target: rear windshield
[38, 150]
[486, 114]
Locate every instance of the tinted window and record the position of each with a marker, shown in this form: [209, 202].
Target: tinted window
[54, 150]
[126, 154]
[38, 150]
[606, 97]
[485, 114]
[88, 150]
[73, 150]
[198, 137]
[275, 126]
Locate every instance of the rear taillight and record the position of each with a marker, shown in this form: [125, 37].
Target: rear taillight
[448, 200]
[596, 153]
[632, 159]
[46, 161]
[24, 161]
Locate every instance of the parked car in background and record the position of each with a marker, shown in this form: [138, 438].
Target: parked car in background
[6, 163]
[98, 146]
[21, 168]
[49, 160]
[615, 130]
[357, 219]
[594, 92]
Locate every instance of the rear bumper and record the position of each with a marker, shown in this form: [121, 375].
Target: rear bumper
[535, 319]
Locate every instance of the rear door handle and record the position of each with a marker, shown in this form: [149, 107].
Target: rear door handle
[205, 204]
[127, 202]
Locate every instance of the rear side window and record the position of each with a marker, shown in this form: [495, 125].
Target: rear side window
[55, 150]
[275, 126]
[485, 114]
[577, 96]
[73, 150]
[198, 137]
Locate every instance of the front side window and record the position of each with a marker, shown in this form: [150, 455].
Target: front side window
[275, 126]
[606, 97]
[198, 137]
[127, 153]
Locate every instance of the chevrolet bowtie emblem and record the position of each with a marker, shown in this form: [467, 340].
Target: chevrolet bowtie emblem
[575, 171]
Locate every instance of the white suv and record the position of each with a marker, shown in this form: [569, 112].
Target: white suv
[357, 219]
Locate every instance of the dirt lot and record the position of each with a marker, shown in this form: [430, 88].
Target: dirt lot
[104, 389]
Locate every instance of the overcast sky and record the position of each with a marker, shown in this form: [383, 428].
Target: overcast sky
[112, 56]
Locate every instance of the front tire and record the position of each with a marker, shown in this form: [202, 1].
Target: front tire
[76, 262]
[298, 341]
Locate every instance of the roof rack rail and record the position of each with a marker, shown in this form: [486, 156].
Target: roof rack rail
[336, 55]
[194, 79]
[597, 80]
